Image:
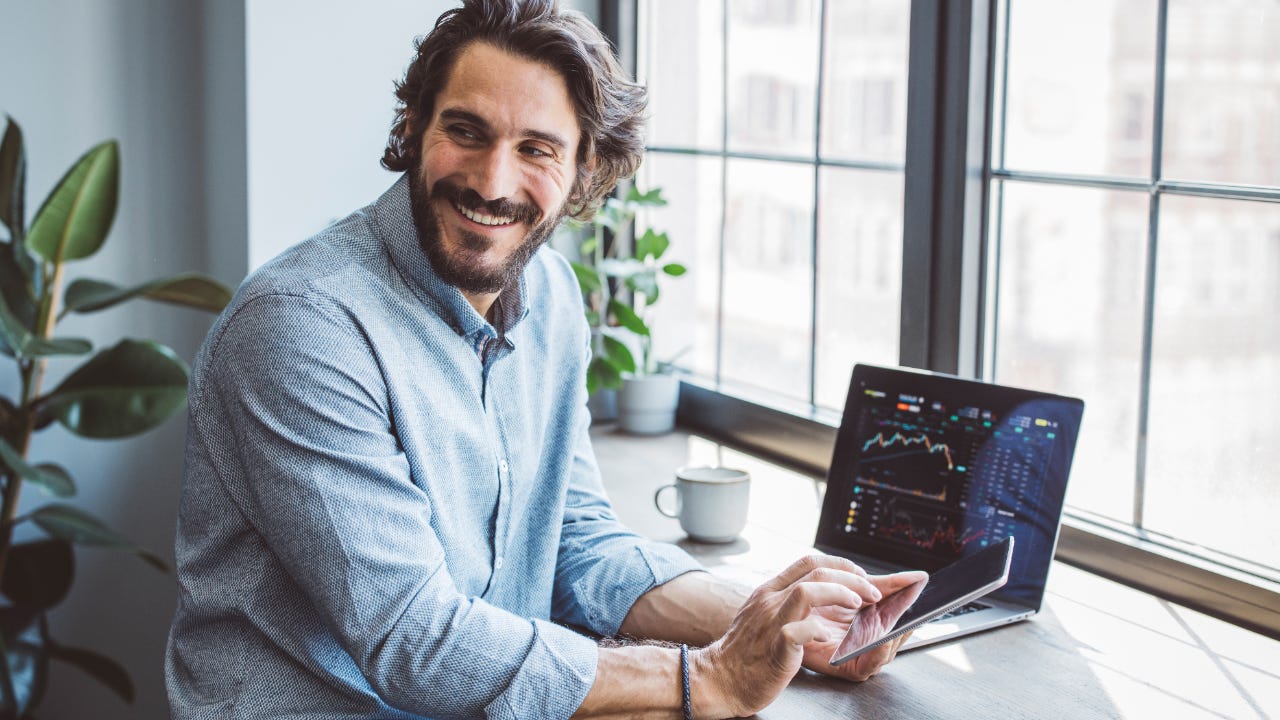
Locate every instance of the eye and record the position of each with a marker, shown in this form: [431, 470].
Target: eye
[536, 152]
[464, 133]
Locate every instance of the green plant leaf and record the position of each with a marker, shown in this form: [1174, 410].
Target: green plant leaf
[13, 178]
[127, 389]
[588, 280]
[75, 525]
[612, 214]
[75, 219]
[652, 245]
[16, 290]
[627, 318]
[602, 375]
[98, 666]
[588, 246]
[652, 198]
[55, 480]
[39, 574]
[188, 289]
[19, 341]
[645, 282]
[674, 269]
[617, 354]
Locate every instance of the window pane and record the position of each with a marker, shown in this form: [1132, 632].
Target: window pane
[1215, 378]
[768, 280]
[773, 71]
[859, 276]
[684, 320]
[1222, 92]
[1069, 320]
[682, 62]
[864, 110]
[1080, 87]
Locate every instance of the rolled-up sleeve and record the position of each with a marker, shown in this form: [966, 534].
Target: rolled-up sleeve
[603, 567]
[319, 473]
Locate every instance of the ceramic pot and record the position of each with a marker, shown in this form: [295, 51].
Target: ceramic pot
[647, 404]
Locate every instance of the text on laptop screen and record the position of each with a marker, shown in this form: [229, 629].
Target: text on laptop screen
[929, 468]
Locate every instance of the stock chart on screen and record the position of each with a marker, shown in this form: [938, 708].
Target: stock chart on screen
[930, 479]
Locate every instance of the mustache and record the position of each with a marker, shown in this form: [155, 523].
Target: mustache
[470, 199]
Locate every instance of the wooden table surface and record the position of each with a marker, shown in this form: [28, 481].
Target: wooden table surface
[1097, 650]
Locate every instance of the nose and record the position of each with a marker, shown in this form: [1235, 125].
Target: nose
[494, 175]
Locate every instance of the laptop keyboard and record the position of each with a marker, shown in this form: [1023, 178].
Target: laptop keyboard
[963, 610]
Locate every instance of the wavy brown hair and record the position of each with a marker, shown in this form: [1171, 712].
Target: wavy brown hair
[609, 105]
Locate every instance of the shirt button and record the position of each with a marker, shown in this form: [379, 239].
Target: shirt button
[497, 564]
[502, 466]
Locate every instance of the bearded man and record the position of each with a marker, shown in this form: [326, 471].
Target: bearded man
[390, 506]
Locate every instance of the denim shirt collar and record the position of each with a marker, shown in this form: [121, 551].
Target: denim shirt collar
[394, 219]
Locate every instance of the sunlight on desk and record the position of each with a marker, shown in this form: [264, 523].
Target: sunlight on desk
[1098, 649]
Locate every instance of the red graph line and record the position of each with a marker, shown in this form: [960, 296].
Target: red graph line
[906, 441]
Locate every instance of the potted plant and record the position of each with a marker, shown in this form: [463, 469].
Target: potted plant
[619, 293]
[123, 390]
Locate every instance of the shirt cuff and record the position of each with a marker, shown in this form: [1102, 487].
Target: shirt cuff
[554, 678]
[612, 593]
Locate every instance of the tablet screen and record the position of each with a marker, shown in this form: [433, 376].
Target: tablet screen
[953, 585]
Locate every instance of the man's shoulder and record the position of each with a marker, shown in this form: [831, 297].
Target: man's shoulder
[342, 254]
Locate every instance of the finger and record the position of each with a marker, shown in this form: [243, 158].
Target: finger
[807, 564]
[802, 598]
[860, 584]
[889, 584]
[803, 632]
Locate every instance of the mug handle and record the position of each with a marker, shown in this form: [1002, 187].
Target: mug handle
[657, 501]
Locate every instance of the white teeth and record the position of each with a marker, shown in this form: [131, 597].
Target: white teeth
[483, 219]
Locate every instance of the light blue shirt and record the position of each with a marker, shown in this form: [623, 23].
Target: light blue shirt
[377, 523]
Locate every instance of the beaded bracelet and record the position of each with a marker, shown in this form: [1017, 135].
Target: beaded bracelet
[684, 681]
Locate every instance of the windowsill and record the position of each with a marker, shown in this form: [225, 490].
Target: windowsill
[802, 438]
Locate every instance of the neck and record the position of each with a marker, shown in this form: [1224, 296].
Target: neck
[482, 302]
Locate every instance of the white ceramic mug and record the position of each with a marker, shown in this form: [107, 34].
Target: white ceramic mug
[711, 502]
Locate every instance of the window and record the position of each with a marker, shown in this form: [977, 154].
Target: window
[1137, 260]
[779, 133]
[1124, 246]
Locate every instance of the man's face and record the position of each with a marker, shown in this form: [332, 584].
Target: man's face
[496, 168]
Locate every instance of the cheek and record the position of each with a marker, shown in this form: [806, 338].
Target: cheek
[549, 190]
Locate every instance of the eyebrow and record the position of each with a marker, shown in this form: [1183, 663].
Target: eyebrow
[474, 119]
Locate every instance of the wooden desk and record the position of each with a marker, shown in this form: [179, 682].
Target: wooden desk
[1097, 650]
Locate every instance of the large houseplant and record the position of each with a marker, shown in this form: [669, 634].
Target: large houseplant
[123, 390]
[619, 290]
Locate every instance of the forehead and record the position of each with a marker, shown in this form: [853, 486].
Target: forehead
[513, 94]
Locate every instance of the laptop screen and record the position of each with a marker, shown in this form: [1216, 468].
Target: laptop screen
[928, 468]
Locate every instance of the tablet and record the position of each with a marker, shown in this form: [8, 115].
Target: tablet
[964, 580]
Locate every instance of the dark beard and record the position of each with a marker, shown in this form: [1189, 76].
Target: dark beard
[462, 270]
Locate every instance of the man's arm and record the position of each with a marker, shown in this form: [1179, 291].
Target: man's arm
[793, 619]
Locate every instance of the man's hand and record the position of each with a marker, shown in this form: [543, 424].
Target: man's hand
[818, 654]
[797, 617]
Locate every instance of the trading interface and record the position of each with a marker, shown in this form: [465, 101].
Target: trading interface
[932, 480]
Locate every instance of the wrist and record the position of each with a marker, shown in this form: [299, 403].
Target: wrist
[708, 696]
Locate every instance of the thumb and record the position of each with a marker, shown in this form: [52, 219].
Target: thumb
[889, 584]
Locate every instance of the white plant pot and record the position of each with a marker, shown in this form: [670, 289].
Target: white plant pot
[647, 404]
[603, 405]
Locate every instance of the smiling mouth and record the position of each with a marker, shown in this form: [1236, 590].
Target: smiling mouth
[478, 217]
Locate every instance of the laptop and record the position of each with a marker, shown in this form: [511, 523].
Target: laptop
[929, 468]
